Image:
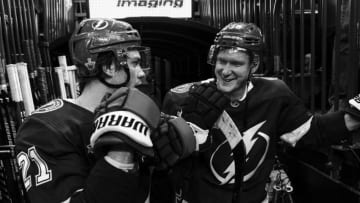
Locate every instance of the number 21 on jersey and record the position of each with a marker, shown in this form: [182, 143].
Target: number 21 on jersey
[25, 160]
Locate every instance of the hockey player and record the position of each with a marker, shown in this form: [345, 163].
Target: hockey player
[236, 142]
[53, 143]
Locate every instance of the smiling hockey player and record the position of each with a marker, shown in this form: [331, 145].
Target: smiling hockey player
[237, 153]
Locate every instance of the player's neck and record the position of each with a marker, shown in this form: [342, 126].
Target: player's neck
[92, 95]
[241, 94]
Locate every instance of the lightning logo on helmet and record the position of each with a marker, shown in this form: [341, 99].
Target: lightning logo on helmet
[100, 25]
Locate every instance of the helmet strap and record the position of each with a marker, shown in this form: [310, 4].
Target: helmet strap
[124, 84]
[254, 64]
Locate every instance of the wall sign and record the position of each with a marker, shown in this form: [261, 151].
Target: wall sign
[140, 8]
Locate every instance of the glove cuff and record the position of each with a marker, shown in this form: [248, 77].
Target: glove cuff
[129, 127]
[122, 166]
[201, 137]
[187, 135]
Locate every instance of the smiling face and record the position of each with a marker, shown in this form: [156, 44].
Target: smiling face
[232, 70]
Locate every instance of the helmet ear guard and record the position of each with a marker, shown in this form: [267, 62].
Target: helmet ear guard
[213, 51]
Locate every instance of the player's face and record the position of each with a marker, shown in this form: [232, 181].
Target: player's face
[232, 71]
[137, 74]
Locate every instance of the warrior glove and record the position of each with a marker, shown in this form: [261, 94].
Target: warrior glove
[125, 118]
[204, 105]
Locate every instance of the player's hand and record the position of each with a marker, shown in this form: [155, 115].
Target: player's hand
[125, 118]
[173, 140]
[204, 105]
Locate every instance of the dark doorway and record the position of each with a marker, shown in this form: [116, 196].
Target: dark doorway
[179, 49]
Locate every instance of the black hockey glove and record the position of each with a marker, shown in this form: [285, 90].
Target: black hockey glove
[172, 140]
[204, 105]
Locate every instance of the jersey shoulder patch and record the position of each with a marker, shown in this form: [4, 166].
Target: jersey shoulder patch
[181, 88]
[51, 106]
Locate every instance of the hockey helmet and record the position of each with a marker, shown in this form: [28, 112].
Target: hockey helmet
[238, 35]
[95, 36]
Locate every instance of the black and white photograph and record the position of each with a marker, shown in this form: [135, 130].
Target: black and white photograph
[179, 101]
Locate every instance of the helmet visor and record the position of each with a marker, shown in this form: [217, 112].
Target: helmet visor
[145, 57]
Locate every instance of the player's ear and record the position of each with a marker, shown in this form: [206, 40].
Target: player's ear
[109, 70]
[255, 64]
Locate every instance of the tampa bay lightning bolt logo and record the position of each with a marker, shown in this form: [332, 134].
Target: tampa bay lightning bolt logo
[100, 25]
[222, 163]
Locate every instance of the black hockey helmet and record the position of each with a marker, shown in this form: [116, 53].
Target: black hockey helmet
[95, 36]
[238, 35]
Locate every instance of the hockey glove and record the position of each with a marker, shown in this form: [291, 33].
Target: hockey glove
[125, 118]
[173, 140]
[354, 109]
[204, 105]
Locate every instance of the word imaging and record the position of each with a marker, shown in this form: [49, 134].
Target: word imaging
[150, 3]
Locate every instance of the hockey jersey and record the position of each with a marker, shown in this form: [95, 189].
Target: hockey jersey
[51, 150]
[53, 155]
[269, 110]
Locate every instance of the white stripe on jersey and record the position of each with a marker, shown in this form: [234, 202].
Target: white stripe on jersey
[294, 136]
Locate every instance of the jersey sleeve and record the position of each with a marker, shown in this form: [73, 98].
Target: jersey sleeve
[293, 113]
[299, 126]
[51, 168]
[325, 130]
[54, 170]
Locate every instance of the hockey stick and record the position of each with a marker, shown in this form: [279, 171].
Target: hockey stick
[12, 7]
[48, 68]
[41, 83]
[8, 124]
[27, 50]
[3, 18]
[69, 77]
[3, 86]
[25, 88]
[15, 89]
[61, 82]
[6, 121]
[34, 31]
[9, 43]
[20, 65]
[9, 21]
